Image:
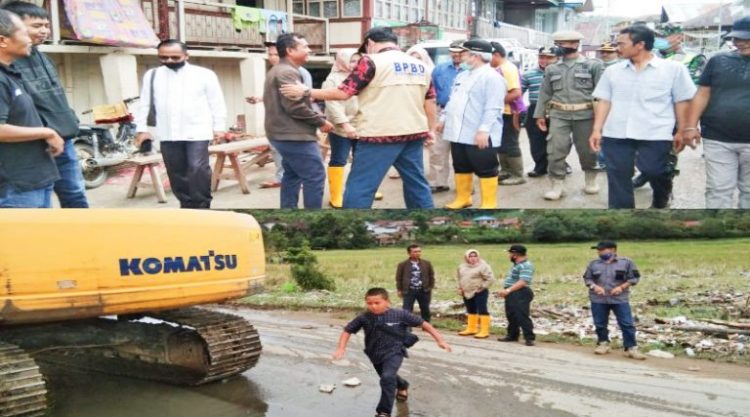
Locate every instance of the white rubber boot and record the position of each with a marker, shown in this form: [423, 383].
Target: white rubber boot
[557, 191]
[591, 186]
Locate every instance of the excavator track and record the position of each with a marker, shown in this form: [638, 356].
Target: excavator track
[232, 343]
[191, 346]
[22, 388]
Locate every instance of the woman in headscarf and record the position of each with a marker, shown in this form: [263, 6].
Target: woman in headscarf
[474, 279]
[422, 55]
[341, 114]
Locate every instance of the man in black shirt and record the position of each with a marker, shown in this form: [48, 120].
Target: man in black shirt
[383, 346]
[42, 83]
[27, 148]
[723, 105]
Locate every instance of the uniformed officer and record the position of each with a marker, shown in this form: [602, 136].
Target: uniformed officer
[608, 54]
[566, 92]
[609, 279]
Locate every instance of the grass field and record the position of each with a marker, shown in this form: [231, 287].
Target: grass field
[670, 270]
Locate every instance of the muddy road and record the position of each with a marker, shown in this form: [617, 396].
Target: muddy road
[480, 378]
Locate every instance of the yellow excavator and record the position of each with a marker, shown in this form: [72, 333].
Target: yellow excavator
[116, 291]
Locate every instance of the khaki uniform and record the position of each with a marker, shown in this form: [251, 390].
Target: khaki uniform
[566, 95]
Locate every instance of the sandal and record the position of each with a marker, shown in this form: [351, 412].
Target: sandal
[402, 395]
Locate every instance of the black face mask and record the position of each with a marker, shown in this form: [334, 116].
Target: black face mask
[174, 66]
[568, 51]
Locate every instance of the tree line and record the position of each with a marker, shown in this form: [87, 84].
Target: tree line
[346, 229]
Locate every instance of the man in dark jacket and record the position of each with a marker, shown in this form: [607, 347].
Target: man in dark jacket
[27, 148]
[415, 280]
[41, 81]
[291, 127]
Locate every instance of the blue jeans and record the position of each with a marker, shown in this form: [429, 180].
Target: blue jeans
[303, 168]
[651, 157]
[600, 314]
[11, 197]
[389, 382]
[70, 189]
[371, 163]
[340, 148]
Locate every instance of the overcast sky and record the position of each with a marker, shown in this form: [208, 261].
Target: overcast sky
[634, 8]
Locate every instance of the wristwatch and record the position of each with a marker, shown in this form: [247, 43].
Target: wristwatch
[307, 92]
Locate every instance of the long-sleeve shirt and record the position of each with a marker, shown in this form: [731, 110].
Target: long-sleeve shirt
[531, 81]
[287, 119]
[339, 112]
[609, 275]
[189, 104]
[476, 105]
[443, 78]
[474, 278]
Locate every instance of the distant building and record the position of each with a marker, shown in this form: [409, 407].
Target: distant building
[486, 221]
[440, 221]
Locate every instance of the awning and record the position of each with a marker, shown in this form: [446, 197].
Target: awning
[108, 22]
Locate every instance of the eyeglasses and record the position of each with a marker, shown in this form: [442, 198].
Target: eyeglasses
[170, 58]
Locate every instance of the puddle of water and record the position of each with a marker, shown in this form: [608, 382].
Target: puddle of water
[76, 394]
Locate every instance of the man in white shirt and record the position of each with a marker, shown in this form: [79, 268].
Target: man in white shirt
[639, 102]
[190, 112]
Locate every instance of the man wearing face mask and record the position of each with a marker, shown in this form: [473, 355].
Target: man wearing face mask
[531, 81]
[518, 296]
[189, 112]
[609, 279]
[443, 78]
[473, 124]
[567, 93]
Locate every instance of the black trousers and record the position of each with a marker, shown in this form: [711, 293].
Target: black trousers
[189, 172]
[422, 297]
[478, 303]
[537, 142]
[651, 157]
[469, 159]
[389, 382]
[510, 146]
[517, 306]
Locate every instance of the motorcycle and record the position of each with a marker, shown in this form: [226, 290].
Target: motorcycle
[99, 152]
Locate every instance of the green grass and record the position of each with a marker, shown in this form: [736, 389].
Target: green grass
[670, 270]
[674, 269]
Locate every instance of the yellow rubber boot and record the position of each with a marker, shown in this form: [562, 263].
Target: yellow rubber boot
[489, 192]
[336, 186]
[463, 192]
[472, 323]
[484, 327]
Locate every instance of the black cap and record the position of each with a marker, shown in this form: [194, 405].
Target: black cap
[497, 48]
[378, 34]
[605, 244]
[740, 28]
[478, 45]
[519, 249]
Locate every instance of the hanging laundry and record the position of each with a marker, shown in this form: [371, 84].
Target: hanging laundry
[248, 18]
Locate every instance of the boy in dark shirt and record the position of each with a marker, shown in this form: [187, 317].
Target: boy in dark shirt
[383, 346]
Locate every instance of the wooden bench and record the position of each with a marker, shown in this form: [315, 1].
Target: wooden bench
[232, 152]
[150, 162]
